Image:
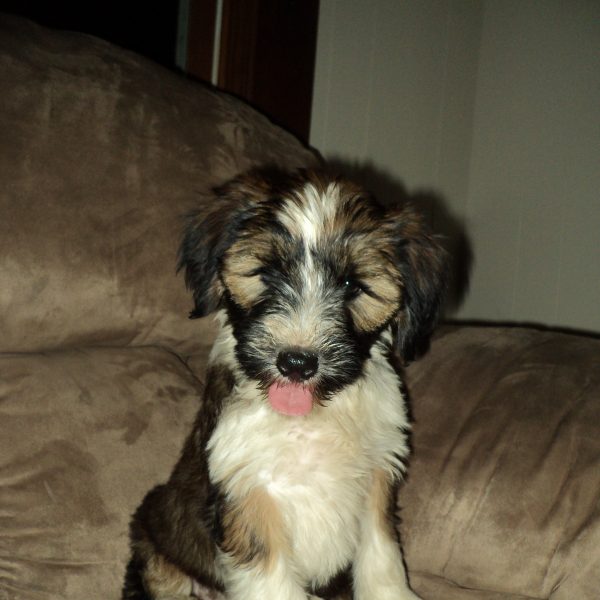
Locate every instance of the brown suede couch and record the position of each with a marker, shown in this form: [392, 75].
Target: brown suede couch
[101, 153]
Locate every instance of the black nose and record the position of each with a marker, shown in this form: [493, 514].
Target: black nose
[297, 364]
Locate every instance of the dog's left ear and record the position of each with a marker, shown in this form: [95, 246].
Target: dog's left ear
[207, 236]
[423, 266]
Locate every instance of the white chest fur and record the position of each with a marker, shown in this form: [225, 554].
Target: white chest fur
[316, 468]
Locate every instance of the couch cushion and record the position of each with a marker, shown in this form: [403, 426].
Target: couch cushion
[431, 587]
[101, 154]
[503, 488]
[500, 503]
[85, 434]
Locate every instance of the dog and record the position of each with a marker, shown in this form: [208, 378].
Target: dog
[288, 479]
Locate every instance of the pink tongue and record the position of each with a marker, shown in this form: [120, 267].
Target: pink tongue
[290, 399]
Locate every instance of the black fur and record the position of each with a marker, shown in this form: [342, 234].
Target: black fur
[205, 241]
[424, 266]
[179, 520]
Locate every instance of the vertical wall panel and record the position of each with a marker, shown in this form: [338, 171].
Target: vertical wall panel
[533, 204]
[460, 80]
[408, 90]
[379, 81]
[342, 77]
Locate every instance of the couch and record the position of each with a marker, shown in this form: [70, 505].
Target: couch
[101, 154]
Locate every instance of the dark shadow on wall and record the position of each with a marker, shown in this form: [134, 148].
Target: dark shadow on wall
[391, 191]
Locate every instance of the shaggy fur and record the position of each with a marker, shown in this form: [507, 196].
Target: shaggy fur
[287, 481]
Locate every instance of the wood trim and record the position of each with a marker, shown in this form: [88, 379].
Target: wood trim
[201, 38]
[239, 31]
[267, 57]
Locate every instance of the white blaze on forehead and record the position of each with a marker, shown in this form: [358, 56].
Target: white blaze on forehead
[307, 215]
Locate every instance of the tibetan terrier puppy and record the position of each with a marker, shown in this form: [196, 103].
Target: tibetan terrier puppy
[288, 477]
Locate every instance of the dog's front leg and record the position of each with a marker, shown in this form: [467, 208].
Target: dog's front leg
[252, 557]
[262, 582]
[378, 568]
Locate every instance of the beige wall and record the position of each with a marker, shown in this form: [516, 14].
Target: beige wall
[495, 106]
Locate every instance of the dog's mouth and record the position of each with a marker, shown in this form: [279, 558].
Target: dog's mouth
[291, 398]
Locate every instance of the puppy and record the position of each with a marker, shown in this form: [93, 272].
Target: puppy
[288, 478]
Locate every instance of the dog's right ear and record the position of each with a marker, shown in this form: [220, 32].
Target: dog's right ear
[422, 262]
[208, 234]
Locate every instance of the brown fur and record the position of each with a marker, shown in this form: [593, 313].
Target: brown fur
[381, 503]
[168, 529]
[241, 260]
[162, 577]
[253, 530]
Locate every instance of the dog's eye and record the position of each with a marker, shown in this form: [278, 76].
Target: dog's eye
[352, 287]
[263, 272]
[258, 271]
[267, 275]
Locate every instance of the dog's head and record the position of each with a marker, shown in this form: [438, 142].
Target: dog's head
[311, 270]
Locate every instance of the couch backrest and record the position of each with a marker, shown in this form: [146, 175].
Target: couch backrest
[102, 152]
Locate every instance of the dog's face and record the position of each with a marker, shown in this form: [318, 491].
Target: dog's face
[310, 270]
